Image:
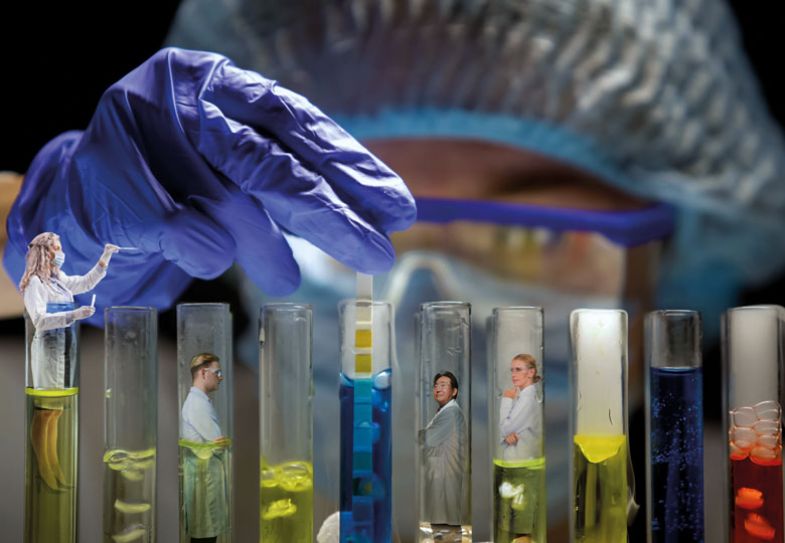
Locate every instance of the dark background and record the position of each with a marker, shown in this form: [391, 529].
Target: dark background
[58, 60]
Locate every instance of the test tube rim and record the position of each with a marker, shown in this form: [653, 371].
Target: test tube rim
[188, 305]
[611, 310]
[780, 310]
[130, 308]
[363, 301]
[517, 308]
[667, 363]
[445, 304]
[290, 306]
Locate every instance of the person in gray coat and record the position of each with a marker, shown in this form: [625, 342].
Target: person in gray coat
[444, 448]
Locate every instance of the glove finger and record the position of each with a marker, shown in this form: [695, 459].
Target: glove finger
[295, 197]
[262, 250]
[359, 177]
[191, 240]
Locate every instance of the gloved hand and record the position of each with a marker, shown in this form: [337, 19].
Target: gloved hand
[198, 163]
[81, 313]
[106, 256]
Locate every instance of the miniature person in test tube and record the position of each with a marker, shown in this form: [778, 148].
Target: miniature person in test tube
[520, 430]
[520, 413]
[444, 451]
[205, 486]
[47, 293]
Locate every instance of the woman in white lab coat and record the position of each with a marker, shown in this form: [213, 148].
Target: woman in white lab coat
[49, 301]
[47, 292]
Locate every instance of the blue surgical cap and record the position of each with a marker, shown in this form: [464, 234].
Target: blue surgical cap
[656, 98]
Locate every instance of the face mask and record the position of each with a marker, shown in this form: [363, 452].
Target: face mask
[59, 259]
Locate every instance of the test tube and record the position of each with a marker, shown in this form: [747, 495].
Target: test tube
[674, 427]
[204, 384]
[286, 423]
[130, 431]
[366, 338]
[515, 417]
[598, 486]
[752, 356]
[443, 460]
[52, 437]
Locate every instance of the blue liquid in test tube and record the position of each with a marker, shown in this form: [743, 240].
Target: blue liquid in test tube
[675, 421]
[677, 454]
[365, 396]
[366, 498]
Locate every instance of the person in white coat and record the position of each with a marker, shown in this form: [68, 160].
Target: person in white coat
[206, 456]
[520, 412]
[48, 295]
[444, 447]
[520, 434]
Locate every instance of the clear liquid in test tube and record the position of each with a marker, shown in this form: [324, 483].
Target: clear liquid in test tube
[131, 436]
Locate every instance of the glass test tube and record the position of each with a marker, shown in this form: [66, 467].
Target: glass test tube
[674, 427]
[204, 384]
[366, 422]
[131, 423]
[286, 423]
[52, 437]
[515, 416]
[598, 487]
[443, 460]
[752, 355]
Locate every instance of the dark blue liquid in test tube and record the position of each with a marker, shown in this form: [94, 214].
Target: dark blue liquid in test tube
[676, 454]
[674, 419]
[365, 495]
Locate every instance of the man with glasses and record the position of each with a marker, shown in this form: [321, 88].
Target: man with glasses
[205, 486]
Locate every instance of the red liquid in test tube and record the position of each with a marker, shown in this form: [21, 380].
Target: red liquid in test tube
[756, 473]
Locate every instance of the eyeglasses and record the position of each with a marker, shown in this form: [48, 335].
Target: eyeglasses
[441, 386]
[217, 371]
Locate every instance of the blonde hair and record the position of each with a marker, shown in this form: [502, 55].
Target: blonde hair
[202, 360]
[38, 260]
[530, 362]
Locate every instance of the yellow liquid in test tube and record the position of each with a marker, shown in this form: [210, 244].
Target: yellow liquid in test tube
[286, 501]
[205, 489]
[600, 467]
[51, 465]
[130, 483]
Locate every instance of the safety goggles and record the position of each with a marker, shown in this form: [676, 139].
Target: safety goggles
[216, 371]
[496, 253]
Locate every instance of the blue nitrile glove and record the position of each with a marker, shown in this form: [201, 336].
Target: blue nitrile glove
[198, 163]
